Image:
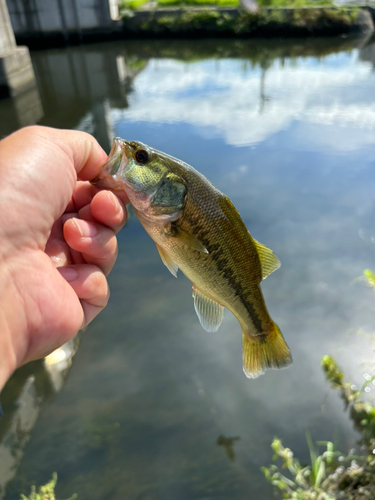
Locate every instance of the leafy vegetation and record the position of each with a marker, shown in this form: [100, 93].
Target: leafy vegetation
[331, 475]
[369, 277]
[212, 22]
[198, 3]
[125, 5]
[139, 4]
[295, 3]
[46, 492]
[307, 482]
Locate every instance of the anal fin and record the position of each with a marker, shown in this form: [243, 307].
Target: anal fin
[167, 261]
[209, 312]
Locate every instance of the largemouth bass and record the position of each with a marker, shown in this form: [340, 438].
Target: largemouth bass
[197, 229]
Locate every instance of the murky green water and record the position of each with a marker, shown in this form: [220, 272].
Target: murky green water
[153, 406]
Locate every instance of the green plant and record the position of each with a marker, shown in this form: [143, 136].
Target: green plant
[332, 475]
[370, 277]
[131, 4]
[46, 492]
[306, 482]
[295, 3]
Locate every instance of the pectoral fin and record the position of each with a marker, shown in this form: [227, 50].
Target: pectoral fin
[209, 312]
[268, 259]
[186, 238]
[167, 261]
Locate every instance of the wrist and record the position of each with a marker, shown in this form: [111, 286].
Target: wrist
[7, 357]
[8, 301]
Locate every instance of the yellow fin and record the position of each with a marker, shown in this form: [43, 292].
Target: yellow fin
[268, 260]
[264, 351]
[167, 261]
[209, 312]
[186, 238]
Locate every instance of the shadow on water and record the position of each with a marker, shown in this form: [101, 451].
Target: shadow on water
[150, 398]
[228, 444]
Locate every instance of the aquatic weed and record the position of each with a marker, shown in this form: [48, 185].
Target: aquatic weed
[306, 482]
[370, 277]
[46, 492]
[331, 475]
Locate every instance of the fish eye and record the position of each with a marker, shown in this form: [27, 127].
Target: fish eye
[141, 156]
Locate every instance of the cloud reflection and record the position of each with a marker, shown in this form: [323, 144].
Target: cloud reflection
[225, 97]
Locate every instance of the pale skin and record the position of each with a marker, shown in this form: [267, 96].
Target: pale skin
[58, 241]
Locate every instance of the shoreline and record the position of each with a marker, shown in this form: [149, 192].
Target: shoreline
[200, 22]
[208, 22]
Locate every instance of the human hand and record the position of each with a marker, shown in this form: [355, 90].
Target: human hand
[58, 241]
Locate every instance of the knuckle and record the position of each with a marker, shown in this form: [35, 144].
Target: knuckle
[100, 285]
[106, 252]
[98, 281]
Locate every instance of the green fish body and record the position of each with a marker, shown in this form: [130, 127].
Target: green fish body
[197, 229]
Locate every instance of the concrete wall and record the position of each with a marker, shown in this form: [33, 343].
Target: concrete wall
[16, 71]
[7, 40]
[60, 16]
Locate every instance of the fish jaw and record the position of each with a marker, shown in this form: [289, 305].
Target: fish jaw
[112, 173]
[141, 180]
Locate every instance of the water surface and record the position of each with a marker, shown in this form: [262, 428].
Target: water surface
[154, 407]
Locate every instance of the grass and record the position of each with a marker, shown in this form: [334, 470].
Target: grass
[131, 4]
[46, 492]
[204, 22]
[306, 482]
[138, 4]
[198, 3]
[295, 3]
[331, 475]
[211, 21]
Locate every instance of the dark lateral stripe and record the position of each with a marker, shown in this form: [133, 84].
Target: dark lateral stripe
[223, 267]
[228, 274]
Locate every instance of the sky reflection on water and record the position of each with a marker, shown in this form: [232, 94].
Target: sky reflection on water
[151, 397]
[225, 98]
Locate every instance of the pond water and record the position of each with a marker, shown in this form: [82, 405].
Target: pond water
[153, 406]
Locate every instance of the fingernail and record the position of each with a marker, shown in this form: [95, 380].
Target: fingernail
[85, 228]
[69, 273]
[115, 203]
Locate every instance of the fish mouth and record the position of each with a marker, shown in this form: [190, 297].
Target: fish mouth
[112, 170]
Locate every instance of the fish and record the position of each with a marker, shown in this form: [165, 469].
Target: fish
[197, 229]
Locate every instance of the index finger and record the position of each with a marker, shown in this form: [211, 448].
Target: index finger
[83, 150]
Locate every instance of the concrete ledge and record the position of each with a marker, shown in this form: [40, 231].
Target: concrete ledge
[16, 71]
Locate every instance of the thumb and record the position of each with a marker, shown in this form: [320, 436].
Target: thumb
[84, 150]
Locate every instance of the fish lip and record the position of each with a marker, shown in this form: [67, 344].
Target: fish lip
[111, 174]
[112, 170]
[95, 181]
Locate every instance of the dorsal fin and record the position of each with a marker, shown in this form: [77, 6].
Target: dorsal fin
[268, 259]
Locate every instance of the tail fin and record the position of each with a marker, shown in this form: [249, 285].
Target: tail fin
[265, 351]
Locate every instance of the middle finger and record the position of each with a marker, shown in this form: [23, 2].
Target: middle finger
[96, 243]
[107, 209]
